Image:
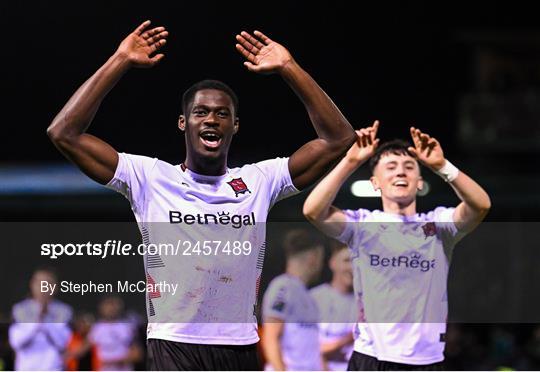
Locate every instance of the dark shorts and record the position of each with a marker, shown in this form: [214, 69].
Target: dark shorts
[178, 356]
[362, 362]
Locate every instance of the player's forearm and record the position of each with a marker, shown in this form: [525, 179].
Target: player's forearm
[328, 348]
[318, 203]
[271, 336]
[272, 351]
[471, 193]
[328, 121]
[78, 112]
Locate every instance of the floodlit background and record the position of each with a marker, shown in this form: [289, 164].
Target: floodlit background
[468, 74]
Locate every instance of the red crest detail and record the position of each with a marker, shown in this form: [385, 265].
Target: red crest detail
[429, 229]
[238, 186]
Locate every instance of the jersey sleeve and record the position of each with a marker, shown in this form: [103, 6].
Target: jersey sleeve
[351, 234]
[131, 176]
[278, 176]
[446, 228]
[276, 302]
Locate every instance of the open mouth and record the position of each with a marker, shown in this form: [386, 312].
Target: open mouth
[210, 139]
[401, 183]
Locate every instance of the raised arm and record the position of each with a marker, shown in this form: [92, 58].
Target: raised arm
[314, 159]
[475, 202]
[318, 208]
[96, 158]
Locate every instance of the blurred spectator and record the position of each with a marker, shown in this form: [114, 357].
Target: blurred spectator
[40, 332]
[81, 355]
[338, 310]
[115, 337]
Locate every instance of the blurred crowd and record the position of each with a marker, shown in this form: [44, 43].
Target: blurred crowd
[44, 333]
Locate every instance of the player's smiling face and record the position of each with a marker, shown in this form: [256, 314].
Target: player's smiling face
[209, 125]
[398, 177]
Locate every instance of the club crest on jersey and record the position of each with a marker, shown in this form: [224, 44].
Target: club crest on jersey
[238, 186]
[429, 229]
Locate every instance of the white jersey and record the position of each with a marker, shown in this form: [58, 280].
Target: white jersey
[288, 299]
[215, 228]
[39, 343]
[400, 269]
[113, 340]
[338, 314]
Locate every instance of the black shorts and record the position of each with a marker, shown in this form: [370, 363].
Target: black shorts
[363, 362]
[179, 356]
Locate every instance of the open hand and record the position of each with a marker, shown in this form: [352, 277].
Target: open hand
[263, 55]
[140, 46]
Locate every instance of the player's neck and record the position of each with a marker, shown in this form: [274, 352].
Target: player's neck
[340, 286]
[403, 209]
[295, 269]
[205, 166]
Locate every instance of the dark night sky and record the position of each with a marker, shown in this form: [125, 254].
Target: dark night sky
[398, 63]
[402, 63]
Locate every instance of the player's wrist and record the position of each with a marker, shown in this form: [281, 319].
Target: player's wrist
[353, 162]
[448, 172]
[121, 59]
[288, 69]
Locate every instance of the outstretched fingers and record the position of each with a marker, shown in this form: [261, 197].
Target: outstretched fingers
[265, 39]
[246, 53]
[158, 57]
[374, 128]
[253, 40]
[246, 44]
[154, 39]
[142, 27]
[148, 35]
[158, 45]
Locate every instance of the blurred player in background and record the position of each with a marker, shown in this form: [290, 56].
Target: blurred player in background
[115, 337]
[337, 309]
[290, 315]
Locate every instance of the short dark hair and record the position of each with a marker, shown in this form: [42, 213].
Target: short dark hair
[299, 240]
[396, 147]
[336, 246]
[189, 94]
